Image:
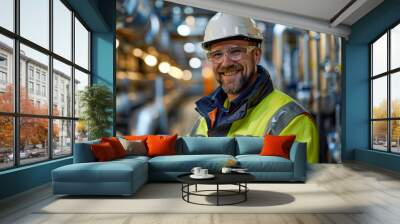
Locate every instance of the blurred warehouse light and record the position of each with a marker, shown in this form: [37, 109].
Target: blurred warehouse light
[190, 20]
[195, 62]
[189, 47]
[175, 72]
[164, 67]
[176, 10]
[188, 10]
[183, 30]
[150, 60]
[137, 52]
[187, 75]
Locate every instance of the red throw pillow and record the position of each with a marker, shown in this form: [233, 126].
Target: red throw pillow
[103, 151]
[159, 145]
[116, 145]
[277, 145]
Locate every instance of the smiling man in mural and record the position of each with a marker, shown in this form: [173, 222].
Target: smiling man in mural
[246, 103]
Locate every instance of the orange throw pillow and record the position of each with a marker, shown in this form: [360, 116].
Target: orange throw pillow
[277, 145]
[159, 145]
[103, 151]
[116, 145]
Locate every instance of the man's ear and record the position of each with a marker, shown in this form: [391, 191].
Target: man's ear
[257, 55]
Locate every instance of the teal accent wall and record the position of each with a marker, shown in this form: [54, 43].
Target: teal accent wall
[103, 53]
[24, 178]
[99, 16]
[356, 86]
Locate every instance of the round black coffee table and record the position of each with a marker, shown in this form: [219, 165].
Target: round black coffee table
[238, 179]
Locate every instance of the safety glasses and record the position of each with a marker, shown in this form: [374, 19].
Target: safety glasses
[233, 53]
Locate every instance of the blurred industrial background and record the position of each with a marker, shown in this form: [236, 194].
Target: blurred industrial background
[162, 70]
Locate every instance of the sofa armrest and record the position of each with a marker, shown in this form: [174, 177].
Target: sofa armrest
[83, 152]
[298, 155]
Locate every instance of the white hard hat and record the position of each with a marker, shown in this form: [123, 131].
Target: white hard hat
[223, 26]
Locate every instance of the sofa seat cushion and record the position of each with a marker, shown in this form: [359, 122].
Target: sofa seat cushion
[185, 163]
[257, 163]
[112, 171]
[133, 158]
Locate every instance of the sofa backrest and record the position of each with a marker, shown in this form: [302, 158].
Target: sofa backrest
[205, 145]
[83, 152]
[249, 145]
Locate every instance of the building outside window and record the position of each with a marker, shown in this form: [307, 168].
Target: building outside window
[43, 78]
[30, 87]
[3, 72]
[37, 74]
[30, 72]
[57, 128]
[43, 90]
[385, 94]
[3, 78]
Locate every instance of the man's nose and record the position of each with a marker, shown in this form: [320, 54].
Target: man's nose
[226, 61]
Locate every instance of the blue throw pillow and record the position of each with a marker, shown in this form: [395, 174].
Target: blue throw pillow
[206, 145]
[249, 145]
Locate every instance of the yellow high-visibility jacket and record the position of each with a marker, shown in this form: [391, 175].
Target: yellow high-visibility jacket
[257, 118]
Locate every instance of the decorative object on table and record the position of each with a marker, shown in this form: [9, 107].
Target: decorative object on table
[196, 170]
[229, 170]
[226, 170]
[96, 102]
[200, 173]
[202, 176]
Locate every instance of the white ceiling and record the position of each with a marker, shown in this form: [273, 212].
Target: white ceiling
[315, 15]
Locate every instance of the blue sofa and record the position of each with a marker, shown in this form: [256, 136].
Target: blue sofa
[125, 176]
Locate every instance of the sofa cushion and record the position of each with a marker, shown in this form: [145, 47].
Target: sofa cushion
[83, 152]
[206, 145]
[134, 147]
[185, 163]
[136, 137]
[116, 145]
[112, 171]
[277, 145]
[248, 145]
[160, 145]
[257, 163]
[103, 151]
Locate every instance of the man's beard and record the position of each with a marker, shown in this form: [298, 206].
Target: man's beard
[240, 82]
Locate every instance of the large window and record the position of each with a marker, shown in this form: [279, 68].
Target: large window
[385, 92]
[44, 64]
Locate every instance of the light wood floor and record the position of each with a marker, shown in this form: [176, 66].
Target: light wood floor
[377, 188]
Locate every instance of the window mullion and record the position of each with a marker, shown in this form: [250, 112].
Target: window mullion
[389, 127]
[16, 84]
[73, 82]
[371, 97]
[50, 81]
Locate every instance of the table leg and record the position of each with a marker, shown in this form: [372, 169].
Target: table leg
[245, 191]
[217, 194]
